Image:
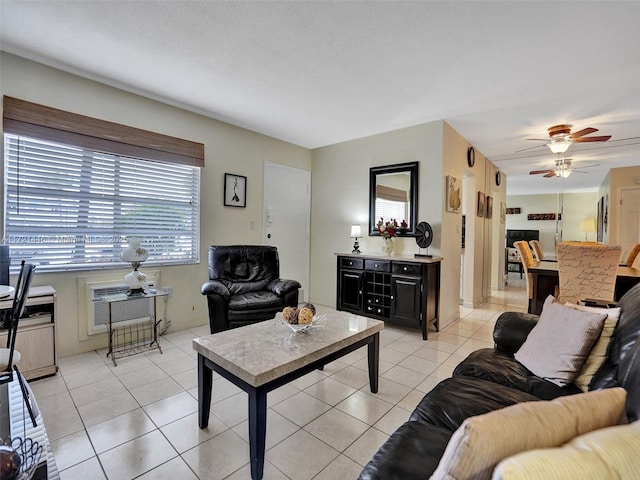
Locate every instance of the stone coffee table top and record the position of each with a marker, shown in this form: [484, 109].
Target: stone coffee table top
[264, 351]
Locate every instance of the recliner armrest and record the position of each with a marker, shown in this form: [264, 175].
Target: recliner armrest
[214, 287]
[282, 286]
[511, 330]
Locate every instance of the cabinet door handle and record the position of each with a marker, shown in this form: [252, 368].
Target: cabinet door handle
[391, 297]
[351, 275]
[404, 283]
[350, 263]
[376, 265]
[360, 292]
[405, 269]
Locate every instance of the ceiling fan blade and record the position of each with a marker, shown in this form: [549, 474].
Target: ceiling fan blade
[584, 131]
[549, 175]
[600, 138]
[537, 172]
[538, 139]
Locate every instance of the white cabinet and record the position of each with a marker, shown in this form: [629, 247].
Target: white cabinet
[36, 339]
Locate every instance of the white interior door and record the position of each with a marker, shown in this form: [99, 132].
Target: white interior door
[629, 220]
[287, 210]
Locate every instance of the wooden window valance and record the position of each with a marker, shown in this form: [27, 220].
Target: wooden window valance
[38, 121]
[391, 194]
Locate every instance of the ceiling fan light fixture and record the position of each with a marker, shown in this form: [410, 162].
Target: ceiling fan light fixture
[559, 146]
[563, 172]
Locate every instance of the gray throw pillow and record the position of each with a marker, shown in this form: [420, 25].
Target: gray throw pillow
[560, 343]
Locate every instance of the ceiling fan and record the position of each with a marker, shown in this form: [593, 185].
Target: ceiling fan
[561, 138]
[563, 169]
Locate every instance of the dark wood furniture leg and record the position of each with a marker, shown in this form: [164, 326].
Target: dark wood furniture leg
[257, 430]
[258, 395]
[204, 392]
[373, 351]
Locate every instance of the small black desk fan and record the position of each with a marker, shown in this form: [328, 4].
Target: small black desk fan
[424, 237]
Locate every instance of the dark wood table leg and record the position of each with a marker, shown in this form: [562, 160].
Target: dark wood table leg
[257, 430]
[204, 392]
[373, 357]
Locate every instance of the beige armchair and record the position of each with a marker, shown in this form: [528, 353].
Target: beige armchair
[587, 271]
[537, 250]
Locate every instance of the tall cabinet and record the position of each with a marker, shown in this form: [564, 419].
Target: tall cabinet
[397, 289]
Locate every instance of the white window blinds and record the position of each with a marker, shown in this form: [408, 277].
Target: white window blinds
[388, 209]
[68, 207]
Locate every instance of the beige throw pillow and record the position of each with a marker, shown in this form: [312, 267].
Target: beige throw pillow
[609, 453]
[559, 344]
[483, 441]
[599, 351]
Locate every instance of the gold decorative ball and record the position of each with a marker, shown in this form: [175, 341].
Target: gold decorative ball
[290, 314]
[305, 316]
[310, 306]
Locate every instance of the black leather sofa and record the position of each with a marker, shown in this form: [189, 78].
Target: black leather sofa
[490, 379]
[245, 286]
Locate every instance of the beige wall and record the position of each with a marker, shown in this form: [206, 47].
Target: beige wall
[227, 149]
[577, 206]
[618, 178]
[483, 266]
[340, 197]
[340, 193]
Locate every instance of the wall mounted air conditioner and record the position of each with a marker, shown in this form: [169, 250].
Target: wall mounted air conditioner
[123, 313]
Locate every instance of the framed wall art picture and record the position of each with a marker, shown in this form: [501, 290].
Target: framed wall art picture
[235, 190]
[480, 209]
[489, 211]
[454, 194]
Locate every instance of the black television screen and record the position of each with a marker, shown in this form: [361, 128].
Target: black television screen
[526, 235]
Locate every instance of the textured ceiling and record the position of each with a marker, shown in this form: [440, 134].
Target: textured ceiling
[317, 73]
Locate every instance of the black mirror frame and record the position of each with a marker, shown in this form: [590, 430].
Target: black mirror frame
[412, 168]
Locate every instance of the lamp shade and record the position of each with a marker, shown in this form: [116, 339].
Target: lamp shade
[356, 231]
[588, 225]
[559, 146]
[563, 171]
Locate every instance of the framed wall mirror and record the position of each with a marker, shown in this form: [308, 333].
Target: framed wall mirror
[393, 193]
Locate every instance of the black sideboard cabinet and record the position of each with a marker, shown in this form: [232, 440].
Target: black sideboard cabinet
[396, 289]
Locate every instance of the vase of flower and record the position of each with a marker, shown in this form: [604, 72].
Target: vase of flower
[387, 246]
[388, 231]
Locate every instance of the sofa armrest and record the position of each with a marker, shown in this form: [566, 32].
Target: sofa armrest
[283, 286]
[214, 287]
[511, 330]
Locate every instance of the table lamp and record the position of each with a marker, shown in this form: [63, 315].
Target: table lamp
[587, 226]
[356, 232]
[135, 254]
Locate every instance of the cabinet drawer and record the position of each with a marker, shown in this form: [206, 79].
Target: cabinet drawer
[377, 265]
[413, 269]
[350, 262]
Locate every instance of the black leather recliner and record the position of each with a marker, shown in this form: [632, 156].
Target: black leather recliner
[245, 286]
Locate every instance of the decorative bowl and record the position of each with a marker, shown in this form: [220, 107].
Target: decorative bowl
[304, 327]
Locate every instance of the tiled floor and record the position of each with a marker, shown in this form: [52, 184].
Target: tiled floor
[139, 419]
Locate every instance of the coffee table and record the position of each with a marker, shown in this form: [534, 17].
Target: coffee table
[263, 356]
